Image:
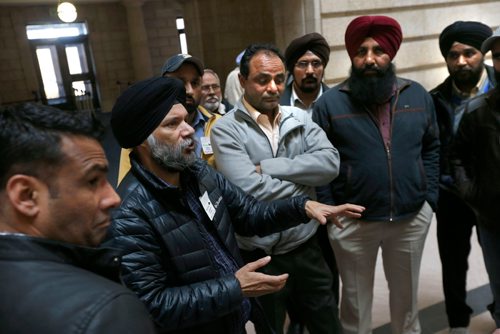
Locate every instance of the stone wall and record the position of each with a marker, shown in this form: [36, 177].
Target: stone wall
[422, 21]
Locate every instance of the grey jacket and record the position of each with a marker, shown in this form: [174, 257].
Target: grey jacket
[305, 159]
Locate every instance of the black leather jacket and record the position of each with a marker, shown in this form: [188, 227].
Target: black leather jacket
[167, 262]
[49, 287]
[475, 157]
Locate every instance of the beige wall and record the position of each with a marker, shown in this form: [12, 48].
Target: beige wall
[422, 21]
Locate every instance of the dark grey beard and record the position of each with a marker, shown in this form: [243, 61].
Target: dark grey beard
[372, 89]
[172, 157]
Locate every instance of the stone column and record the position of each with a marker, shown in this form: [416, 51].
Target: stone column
[294, 18]
[139, 47]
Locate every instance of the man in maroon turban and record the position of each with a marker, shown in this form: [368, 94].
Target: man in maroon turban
[385, 130]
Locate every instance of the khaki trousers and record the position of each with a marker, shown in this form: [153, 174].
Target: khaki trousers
[356, 247]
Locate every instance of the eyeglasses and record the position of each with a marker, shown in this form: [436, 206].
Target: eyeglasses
[208, 88]
[305, 64]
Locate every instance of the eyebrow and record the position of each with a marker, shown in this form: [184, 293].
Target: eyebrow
[98, 167]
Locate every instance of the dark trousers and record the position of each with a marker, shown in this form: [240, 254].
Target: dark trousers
[309, 288]
[324, 243]
[329, 256]
[455, 221]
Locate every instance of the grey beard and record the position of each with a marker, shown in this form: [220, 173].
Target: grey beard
[171, 156]
[212, 106]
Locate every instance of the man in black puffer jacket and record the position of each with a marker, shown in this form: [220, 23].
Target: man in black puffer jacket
[55, 204]
[178, 218]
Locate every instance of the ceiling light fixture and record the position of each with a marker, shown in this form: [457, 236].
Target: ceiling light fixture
[66, 12]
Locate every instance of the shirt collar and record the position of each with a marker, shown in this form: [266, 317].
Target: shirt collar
[254, 113]
[198, 118]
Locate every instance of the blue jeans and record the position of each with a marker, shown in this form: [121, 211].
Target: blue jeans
[490, 243]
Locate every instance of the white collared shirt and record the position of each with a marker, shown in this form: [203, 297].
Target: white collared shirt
[297, 102]
[271, 130]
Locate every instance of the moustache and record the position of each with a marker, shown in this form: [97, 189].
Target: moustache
[373, 68]
[309, 78]
[185, 143]
[464, 70]
[213, 99]
[268, 95]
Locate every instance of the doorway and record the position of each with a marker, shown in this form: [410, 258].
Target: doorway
[64, 66]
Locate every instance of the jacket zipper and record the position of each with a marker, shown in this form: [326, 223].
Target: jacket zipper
[274, 156]
[389, 157]
[391, 186]
[388, 152]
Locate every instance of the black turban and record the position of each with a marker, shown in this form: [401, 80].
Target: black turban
[142, 107]
[465, 32]
[313, 42]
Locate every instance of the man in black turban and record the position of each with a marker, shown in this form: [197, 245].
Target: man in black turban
[176, 223]
[460, 45]
[306, 59]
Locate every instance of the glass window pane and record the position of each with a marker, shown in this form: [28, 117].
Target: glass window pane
[77, 62]
[49, 69]
[47, 31]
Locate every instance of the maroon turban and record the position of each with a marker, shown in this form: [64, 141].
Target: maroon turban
[383, 29]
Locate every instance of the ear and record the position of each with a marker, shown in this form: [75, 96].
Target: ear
[24, 194]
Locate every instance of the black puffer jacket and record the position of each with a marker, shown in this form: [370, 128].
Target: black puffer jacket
[475, 157]
[167, 262]
[49, 287]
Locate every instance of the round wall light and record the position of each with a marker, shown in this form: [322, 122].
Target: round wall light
[66, 12]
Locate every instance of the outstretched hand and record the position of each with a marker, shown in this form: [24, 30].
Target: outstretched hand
[324, 213]
[255, 284]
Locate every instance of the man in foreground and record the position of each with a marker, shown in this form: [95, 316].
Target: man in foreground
[177, 221]
[55, 204]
